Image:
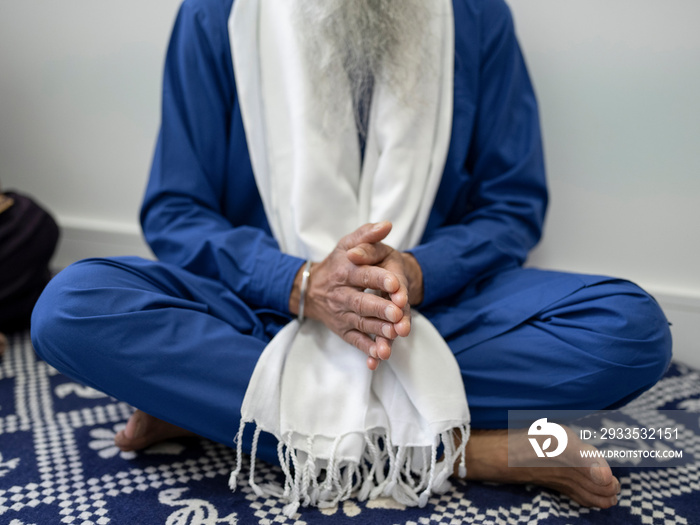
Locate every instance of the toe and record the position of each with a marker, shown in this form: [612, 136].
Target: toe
[136, 426]
[130, 437]
[601, 474]
[603, 502]
[122, 442]
[586, 484]
[590, 499]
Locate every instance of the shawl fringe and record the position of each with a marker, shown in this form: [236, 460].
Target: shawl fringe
[384, 470]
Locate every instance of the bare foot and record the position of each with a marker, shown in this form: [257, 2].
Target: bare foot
[143, 430]
[590, 482]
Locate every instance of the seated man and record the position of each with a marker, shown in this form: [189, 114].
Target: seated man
[179, 338]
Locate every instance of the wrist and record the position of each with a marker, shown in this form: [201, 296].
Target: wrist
[298, 298]
[295, 294]
[414, 275]
[303, 289]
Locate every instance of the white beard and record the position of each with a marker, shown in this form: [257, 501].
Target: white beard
[351, 44]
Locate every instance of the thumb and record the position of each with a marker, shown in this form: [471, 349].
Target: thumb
[369, 233]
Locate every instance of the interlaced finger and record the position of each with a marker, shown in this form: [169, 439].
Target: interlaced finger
[403, 327]
[372, 326]
[360, 341]
[369, 305]
[367, 253]
[367, 233]
[373, 278]
[379, 348]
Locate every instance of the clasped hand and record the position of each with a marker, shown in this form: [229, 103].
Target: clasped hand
[336, 292]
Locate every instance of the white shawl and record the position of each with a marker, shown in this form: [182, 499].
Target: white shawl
[342, 429]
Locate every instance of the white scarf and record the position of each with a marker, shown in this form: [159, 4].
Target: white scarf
[342, 429]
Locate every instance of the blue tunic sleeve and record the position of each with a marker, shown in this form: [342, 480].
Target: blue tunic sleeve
[183, 215]
[491, 203]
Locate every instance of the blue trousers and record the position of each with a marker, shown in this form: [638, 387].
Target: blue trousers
[183, 348]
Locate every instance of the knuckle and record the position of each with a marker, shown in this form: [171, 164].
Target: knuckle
[366, 278]
[381, 309]
[351, 239]
[355, 339]
[344, 241]
[346, 319]
[367, 247]
[357, 302]
[339, 275]
[350, 338]
[335, 299]
[370, 251]
[331, 305]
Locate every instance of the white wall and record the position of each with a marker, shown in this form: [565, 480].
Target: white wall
[79, 110]
[619, 89]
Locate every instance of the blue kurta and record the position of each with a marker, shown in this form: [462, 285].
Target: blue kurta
[179, 338]
[202, 210]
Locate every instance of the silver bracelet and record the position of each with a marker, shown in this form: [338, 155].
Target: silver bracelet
[302, 290]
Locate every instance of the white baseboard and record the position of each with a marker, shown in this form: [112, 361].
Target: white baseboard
[683, 312]
[83, 239]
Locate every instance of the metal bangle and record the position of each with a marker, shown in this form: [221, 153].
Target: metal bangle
[302, 290]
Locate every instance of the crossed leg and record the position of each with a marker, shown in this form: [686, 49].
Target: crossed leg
[183, 348]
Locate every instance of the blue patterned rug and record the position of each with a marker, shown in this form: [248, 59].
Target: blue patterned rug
[58, 464]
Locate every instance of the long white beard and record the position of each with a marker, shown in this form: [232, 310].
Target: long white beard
[351, 44]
